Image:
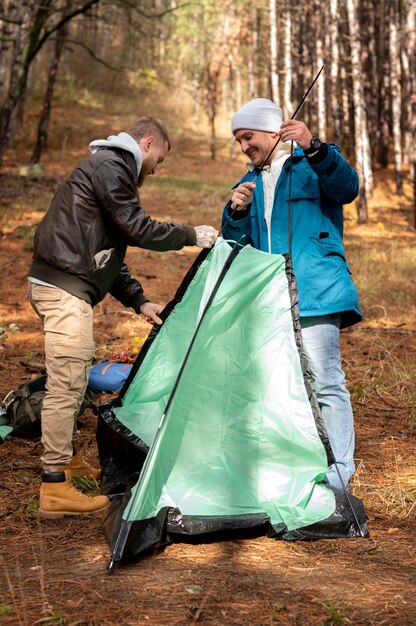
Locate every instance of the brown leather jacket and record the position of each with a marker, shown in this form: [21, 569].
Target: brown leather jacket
[81, 242]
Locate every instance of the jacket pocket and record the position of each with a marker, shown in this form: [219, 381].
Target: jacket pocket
[330, 249]
[304, 183]
[102, 257]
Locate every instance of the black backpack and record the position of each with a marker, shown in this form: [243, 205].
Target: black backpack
[24, 404]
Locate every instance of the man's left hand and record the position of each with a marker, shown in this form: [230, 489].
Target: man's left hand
[205, 236]
[151, 312]
[294, 130]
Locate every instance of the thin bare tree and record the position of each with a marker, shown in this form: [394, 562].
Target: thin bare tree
[43, 126]
[274, 76]
[395, 91]
[362, 141]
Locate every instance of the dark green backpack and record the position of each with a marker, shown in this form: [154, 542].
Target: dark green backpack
[24, 404]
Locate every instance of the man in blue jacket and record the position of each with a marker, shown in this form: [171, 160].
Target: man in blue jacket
[309, 198]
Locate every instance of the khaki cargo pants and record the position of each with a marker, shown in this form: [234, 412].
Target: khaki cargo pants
[69, 350]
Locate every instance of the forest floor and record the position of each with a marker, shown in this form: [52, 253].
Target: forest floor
[54, 572]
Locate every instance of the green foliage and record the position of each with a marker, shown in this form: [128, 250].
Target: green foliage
[277, 607]
[147, 78]
[90, 486]
[5, 609]
[32, 509]
[33, 171]
[89, 98]
[32, 356]
[334, 616]
[11, 328]
[57, 618]
[26, 232]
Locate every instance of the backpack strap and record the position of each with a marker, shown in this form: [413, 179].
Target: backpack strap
[23, 393]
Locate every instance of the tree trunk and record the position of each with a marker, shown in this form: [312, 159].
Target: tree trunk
[383, 112]
[212, 76]
[15, 90]
[253, 56]
[411, 100]
[372, 67]
[8, 31]
[362, 142]
[287, 69]
[274, 76]
[335, 91]
[395, 92]
[42, 136]
[30, 45]
[319, 34]
[213, 140]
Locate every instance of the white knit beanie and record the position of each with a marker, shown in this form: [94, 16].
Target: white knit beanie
[258, 114]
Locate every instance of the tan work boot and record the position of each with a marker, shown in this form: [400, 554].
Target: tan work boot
[81, 468]
[58, 497]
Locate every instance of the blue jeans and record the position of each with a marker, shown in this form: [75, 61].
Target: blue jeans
[321, 341]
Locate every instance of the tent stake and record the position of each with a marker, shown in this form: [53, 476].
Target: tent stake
[347, 495]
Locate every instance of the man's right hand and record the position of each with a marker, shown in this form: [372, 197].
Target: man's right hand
[206, 236]
[242, 196]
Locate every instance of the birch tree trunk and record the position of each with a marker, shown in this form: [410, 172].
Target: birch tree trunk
[196, 105]
[253, 56]
[274, 76]
[334, 68]
[395, 92]
[372, 68]
[302, 39]
[287, 68]
[319, 53]
[362, 142]
[411, 99]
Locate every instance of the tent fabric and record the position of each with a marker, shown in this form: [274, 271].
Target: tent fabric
[240, 442]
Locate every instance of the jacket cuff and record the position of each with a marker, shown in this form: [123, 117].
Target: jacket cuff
[138, 301]
[319, 156]
[190, 236]
[238, 215]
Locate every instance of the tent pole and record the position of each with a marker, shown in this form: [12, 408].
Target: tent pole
[298, 108]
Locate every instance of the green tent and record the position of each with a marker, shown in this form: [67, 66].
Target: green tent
[221, 405]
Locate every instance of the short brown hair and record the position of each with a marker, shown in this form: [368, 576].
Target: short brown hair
[149, 126]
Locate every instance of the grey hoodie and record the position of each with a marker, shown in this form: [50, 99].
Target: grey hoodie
[123, 141]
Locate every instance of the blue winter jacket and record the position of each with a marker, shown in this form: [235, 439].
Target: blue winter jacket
[318, 192]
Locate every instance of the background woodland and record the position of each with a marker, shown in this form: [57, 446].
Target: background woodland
[204, 59]
[74, 71]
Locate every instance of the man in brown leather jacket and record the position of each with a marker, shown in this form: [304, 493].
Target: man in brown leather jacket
[78, 258]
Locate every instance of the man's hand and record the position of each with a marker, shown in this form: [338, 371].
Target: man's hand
[205, 236]
[151, 311]
[294, 130]
[242, 196]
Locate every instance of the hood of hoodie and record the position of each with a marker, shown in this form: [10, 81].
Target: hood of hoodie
[123, 141]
